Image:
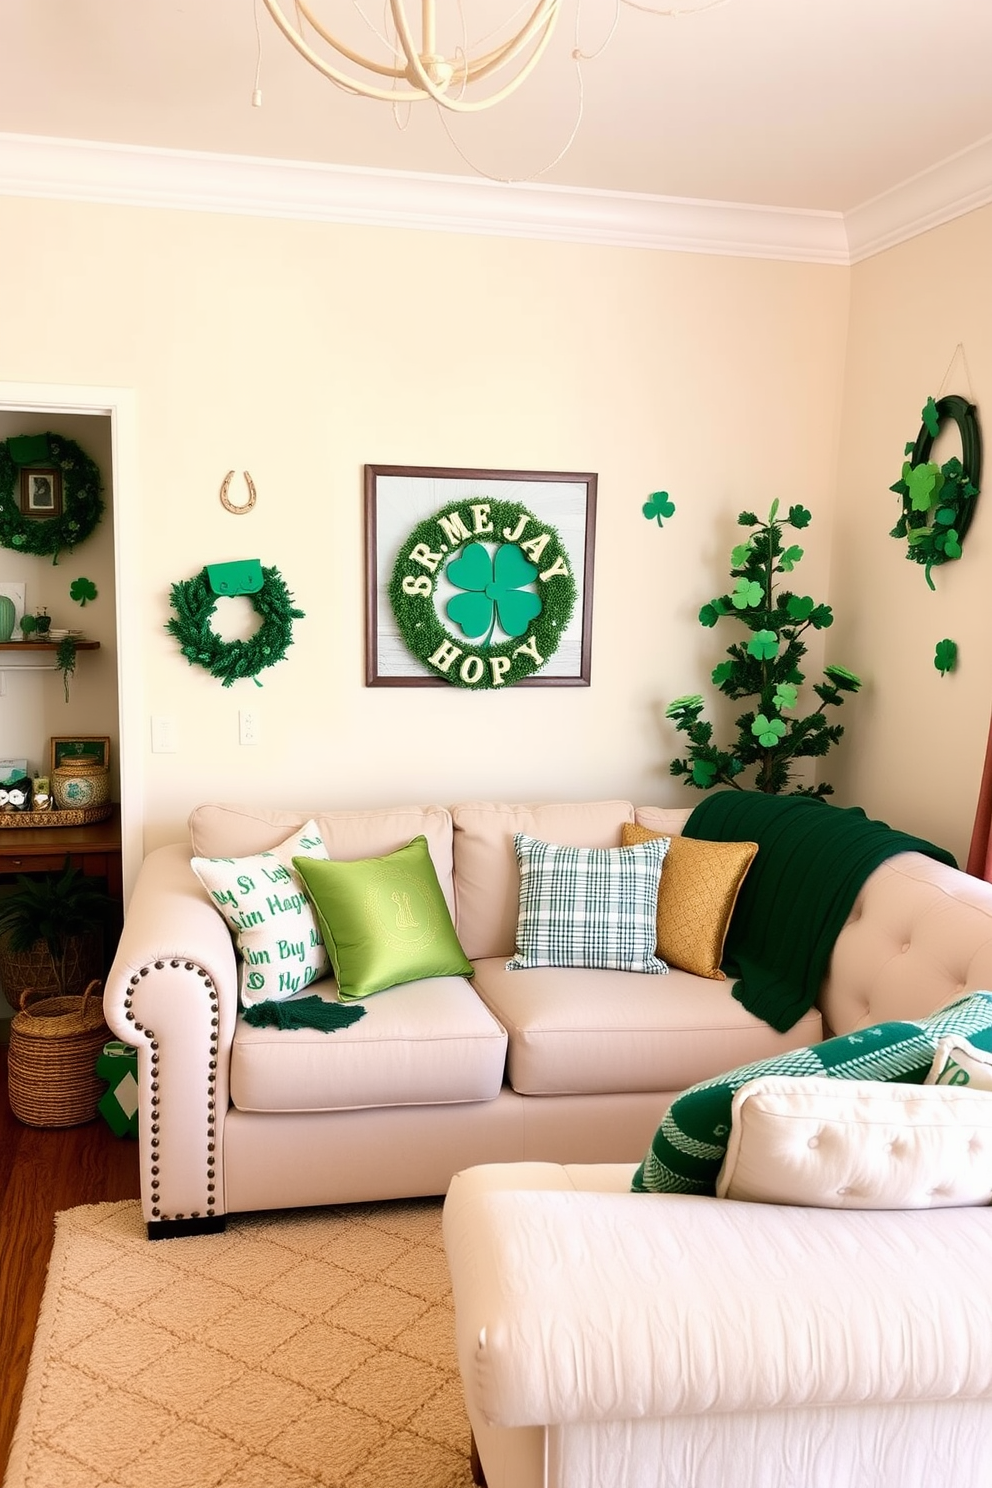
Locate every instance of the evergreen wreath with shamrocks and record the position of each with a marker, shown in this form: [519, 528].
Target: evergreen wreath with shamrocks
[494, 590]
[194, 602]
[82, 501]
[938, 501]
[769, 737]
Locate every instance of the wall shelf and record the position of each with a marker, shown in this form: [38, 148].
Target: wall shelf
[48, 648]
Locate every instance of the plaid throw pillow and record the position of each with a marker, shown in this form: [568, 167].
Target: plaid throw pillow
[588, 906]
[691, 1142]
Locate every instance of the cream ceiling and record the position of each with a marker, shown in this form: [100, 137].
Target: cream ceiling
[797, 104]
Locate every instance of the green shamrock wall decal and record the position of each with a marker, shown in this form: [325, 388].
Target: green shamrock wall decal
[82, 589]
[763, 666]
[946, 656]
[659, 504]
[492, 591]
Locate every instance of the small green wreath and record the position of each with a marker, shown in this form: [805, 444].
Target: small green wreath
[194, 602]
[938, 501]
[82, 502]
[512, 605]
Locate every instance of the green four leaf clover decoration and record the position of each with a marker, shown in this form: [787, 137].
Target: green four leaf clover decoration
[492, 591]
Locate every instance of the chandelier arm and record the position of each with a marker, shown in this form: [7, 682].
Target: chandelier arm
[360, 60]
[456, 105]
[349, 84]
[544, 16]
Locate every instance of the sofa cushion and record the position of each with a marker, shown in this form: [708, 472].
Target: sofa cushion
[574, 1031]
[699, 885]
[384, 920]
[858, 1144]
[422, 1044]
[958, 1062]
[588, 906]
[233, 831]
[264, 903]
[486, 866]
[689, 1145]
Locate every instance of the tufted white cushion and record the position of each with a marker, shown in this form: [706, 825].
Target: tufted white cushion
[862, 1144]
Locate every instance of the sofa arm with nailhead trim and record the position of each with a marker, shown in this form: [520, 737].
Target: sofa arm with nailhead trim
[172, 992]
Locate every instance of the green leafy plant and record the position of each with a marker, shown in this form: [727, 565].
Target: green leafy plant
[56, 910]
[65, 661]
[771, 738]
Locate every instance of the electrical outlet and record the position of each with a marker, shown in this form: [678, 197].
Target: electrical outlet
[248, 728]
[164, 740]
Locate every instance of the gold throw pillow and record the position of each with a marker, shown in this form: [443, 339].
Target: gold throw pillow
[700, 882]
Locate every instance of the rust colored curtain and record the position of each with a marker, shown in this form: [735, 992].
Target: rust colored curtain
[980, 852]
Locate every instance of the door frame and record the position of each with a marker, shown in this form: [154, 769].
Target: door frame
[120, 406]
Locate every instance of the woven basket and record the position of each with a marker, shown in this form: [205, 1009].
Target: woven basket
[54, 1045]
[33, 968]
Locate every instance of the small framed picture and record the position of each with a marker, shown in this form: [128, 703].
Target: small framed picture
[91, 749]
[41, 492]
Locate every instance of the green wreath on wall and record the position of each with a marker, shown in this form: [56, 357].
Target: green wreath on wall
[195, 600]
[514, 593]
[938, 501]
[82, 500]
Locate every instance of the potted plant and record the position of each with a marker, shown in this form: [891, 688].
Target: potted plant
[51, 933]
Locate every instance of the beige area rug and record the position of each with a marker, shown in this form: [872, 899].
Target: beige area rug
[297, 1349]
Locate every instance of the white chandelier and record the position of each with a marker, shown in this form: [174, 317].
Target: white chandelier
[426, 72]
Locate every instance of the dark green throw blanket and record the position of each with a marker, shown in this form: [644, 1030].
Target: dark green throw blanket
[811, 863]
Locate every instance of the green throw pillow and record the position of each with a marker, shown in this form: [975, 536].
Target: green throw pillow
[384, 920]
[688, 1148]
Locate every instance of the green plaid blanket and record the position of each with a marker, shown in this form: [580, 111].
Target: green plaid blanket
[689, 1145]
[812, 861]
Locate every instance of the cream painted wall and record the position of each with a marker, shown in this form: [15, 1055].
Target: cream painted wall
[916, 740]
[302, 351]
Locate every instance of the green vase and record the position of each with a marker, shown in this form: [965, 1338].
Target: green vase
[7, 613]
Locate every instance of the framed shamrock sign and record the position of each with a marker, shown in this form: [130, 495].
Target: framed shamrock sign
[478, 579]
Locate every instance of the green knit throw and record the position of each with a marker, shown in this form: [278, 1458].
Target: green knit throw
[303, 1012]
[811, 863]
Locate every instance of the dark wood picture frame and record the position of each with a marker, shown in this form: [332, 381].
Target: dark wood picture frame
[398, 497]
[65, 749]
[40, 491]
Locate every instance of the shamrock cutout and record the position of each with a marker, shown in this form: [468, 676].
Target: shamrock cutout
[931, 418]
[703, 773]
[658, 505]
[924, 483]
[763, 645]
[722, 672]
[785, 696]
[81, 590]
[946, 656]
[683, 704]
[493, 590]
[710, 613]
[738, 555]
[747, 594]
[842, 678]
[948, 543]
[790, 558]
[799, 516]
[800, 607]
[768, 730]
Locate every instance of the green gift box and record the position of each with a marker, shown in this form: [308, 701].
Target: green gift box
[117, 1063]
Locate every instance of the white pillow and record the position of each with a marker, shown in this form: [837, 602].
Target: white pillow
[957, 1062]
[858, 1144]
[263, 901]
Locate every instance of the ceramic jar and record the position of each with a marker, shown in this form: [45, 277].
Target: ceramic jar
[80, 783]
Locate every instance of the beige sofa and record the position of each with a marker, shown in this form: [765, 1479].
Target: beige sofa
[612, 1339]
[551, 1065]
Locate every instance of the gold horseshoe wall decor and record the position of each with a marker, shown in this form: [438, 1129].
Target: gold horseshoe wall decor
[229, 505]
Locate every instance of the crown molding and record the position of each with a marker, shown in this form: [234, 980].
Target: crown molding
[960, 184]
[130, 175]
[127, 175]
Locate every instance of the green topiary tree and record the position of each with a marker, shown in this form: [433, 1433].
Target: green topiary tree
[770, 737]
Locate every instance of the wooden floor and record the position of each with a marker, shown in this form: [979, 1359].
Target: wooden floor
[42, 1172]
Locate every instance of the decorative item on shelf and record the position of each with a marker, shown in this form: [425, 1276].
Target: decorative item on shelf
[226, 501]
[766, 667]
[946, 657]
[41, 793]
[59, 494]
[15, 795]
[65, 660]
[80, 783]
[28, 625]
[195, 600]
[42, 623]
[938, 501]
[8, 614]
[82, 590]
